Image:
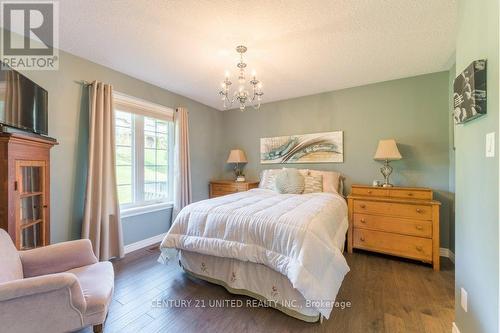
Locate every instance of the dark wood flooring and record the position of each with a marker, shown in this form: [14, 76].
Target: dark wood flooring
[387, 295]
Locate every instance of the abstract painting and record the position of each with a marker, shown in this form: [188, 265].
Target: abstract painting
[469, 94]
[305, 148]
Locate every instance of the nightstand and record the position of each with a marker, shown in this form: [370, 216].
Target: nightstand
[223, 187]
[399, 221]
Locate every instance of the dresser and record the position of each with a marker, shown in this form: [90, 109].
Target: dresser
[224, 187]
[399, 221]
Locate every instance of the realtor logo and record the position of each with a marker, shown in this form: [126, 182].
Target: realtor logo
[30, 35]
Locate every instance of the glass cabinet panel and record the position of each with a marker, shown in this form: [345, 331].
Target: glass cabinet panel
[32, 236]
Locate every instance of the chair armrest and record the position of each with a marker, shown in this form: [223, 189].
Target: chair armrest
[45, 285]
[57, 258]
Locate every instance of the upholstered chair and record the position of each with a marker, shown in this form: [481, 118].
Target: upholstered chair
[57, 288]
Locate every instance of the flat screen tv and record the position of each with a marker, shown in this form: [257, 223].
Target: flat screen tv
[23, 103]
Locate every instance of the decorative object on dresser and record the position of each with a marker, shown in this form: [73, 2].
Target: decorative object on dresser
[469, 96]
[237, 156]
[25, 188]
[223, 187]
[387, 151]
[399, 221]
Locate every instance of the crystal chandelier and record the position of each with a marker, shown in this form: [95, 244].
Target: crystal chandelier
[242, 96]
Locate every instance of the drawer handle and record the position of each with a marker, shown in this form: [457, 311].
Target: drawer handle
[370, 192]
[410, 194]
[362, 220]
[419, 227]
[419, 210]
[419, 248]
[362, 238]
[362, 206]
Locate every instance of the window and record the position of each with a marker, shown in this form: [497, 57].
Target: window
[144, 148]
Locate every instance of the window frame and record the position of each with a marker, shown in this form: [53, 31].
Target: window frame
[139, 109]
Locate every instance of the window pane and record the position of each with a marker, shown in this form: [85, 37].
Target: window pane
[162, 141]
[123, 136]
[162, 173]
[162, 189]
[125, 194]
[161, 126]
[149, 139]
[149, 124]
[123, 156]
[150, 191]
[149, 156]
[149, 173]
[162, 157]
[124, 175]
[123, 119]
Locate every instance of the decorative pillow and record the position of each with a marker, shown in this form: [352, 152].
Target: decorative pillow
[267, 179]
[313, 184]
[332, 181]
[290, 181]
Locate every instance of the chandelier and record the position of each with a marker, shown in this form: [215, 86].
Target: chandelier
[242, 96]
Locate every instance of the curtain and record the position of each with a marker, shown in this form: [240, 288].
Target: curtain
[101, 221]
[182, 163]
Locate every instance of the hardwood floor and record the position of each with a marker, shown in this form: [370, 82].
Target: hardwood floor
[387, 295]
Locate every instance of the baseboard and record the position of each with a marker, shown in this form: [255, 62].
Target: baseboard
[144, 243]
[443, 252]
[454, 328]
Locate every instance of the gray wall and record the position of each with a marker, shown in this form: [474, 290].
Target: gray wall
[68, 123]
[477, 183]
[414, 111]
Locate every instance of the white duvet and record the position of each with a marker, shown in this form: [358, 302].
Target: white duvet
[300, 236]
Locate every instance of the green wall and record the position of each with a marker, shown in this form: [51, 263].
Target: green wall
[68, 123]
[414, 111]
[477, 183]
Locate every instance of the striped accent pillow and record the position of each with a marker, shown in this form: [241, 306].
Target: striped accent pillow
[313, 184]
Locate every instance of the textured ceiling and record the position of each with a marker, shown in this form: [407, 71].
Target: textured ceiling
[297, 47]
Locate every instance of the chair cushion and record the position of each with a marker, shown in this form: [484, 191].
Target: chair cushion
[97, 282]
[10, 263]
[290, 181]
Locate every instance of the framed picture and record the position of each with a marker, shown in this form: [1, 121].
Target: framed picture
[469, 93]
[306, 148]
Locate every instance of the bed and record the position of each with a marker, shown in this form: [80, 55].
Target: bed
[284, 250]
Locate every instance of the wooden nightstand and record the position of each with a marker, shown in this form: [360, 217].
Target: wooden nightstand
[224, 187]
[399, 221]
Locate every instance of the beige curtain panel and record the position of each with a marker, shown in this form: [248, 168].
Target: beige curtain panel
[182, 162]
[101, 221]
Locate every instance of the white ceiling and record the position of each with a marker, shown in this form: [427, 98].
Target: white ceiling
[297, 47]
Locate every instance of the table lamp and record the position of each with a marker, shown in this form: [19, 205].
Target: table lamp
[237, 156]
[387, 151]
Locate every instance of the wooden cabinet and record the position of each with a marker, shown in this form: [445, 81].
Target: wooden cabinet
[399, 221]
[224, 187]
[25, 189]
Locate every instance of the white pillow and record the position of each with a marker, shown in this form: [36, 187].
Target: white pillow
[290, 181]
[332, 180]
[313, 184]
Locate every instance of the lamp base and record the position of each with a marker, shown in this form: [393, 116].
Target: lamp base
[387, 185]
[386, 171]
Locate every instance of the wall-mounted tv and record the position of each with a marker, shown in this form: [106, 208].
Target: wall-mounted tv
[23, 103]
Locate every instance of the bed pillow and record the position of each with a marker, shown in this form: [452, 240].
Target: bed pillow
[313, 184]
[289, 181]
[267, 179]
[332, 181]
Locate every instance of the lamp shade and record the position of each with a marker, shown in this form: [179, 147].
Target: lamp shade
[237, 156]
[387, 150]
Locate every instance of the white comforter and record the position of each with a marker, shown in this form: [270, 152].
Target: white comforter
[300, 236]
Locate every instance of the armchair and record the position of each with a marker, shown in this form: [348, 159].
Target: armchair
[57, 288]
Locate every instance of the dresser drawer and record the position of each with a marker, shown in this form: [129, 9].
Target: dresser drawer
[371, 192]
[228, 188]
[420, 212]
[397, 225]
[411, 194]
[400, 245]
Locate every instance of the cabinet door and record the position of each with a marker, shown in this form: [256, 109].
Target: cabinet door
[31, 204]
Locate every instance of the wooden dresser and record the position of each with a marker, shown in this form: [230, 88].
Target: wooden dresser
[224, 187]
[399, 221]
